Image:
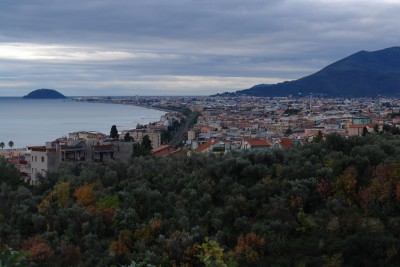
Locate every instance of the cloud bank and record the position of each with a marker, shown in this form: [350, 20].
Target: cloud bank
[186, 47]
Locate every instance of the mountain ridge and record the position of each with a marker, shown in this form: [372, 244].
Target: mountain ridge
[362, 74]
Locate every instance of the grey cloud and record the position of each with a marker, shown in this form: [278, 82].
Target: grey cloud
[285, 39]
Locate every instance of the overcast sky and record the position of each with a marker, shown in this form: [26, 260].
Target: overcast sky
[181, 47]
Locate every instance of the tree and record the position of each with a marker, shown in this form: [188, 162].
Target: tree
[124, 243]
[395, 130]
[288, 131]
[145, 147]
[39, 251]
[11, 144]
[71, 255]
[334, 142]
[146, 143]
[12, 258]
[84, 195]
[376, 128]
[211, 254]
[346, 184]
[2, 145]
[251, 246]
[318, 138]
[61, 192]
[386, 128]
[9, 175]
[114, 132]
[365, 131]
[128, 138]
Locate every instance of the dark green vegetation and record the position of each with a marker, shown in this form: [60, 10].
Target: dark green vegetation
[363, 74]
[114, 132]
[331, 203]
[144, 148]
[45, 94]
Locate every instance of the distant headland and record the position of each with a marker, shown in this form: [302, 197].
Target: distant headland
[45, 94]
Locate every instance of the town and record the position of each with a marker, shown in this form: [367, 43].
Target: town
[214, 124]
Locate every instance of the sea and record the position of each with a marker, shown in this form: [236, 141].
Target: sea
[32, 122]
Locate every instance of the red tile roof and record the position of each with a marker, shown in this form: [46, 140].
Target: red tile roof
[160, 148]
[285, 142]
[206, 145]
[361, 125]
[37, 148]
[163, 151]
[157, 127]
[41, 148]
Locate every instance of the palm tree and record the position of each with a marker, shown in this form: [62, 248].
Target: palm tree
[11, 144]
[2, 145]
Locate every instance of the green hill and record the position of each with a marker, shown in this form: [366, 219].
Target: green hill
[363, 74]
[45, 94]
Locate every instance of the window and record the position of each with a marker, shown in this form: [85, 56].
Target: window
[42, 159]
[35, 158]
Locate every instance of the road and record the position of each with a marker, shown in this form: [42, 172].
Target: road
[179, 134]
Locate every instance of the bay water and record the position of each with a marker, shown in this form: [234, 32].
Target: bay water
[32, 122]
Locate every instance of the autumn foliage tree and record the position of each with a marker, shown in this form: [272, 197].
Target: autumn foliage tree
[346, 185]
[71, 255]
[250, 246]
[124, 244]
[384, 185]
[84, 195]
[324, 189]
[61, 192]
[39, 251]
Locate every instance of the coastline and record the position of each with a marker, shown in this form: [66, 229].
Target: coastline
[52, 119]
[89, 100]
[155, 108]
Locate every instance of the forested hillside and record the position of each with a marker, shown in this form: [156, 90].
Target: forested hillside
[333, 203]
[363, 74]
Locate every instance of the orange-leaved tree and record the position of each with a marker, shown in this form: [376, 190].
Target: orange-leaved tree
[250, 246]
[84, 195]
[39, 251]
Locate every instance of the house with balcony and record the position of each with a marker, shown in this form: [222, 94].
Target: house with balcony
[102, 153]
[74, 151]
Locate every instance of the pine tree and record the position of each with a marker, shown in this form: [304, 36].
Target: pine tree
[114, 132]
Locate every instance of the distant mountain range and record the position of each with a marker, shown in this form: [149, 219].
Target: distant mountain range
[45, 94]
[363, 74]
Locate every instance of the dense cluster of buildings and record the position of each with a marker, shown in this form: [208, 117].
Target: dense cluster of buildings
[262, 123]
[223, 124]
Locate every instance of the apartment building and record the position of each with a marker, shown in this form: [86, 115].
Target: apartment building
[48, 158]
[138, 134]
[43, 159]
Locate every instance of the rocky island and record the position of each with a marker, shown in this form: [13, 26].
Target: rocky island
[45, 94]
